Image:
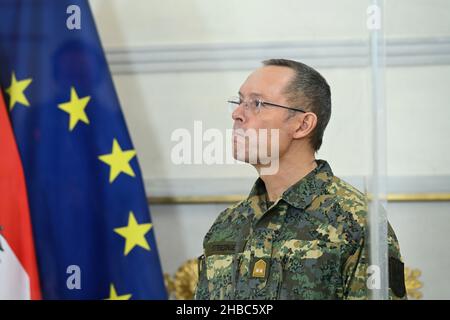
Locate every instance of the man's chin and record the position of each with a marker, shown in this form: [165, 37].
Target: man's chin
[240, 157]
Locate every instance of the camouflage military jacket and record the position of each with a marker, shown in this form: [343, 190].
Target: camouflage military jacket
[309, 244]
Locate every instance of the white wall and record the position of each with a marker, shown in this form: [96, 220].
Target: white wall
[174, 62]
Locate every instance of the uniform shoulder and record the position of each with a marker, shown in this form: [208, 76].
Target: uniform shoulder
[341, 210]
[349, 199]
[231, 211]
[222, 228]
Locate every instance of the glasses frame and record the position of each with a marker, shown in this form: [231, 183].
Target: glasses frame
[259, 103]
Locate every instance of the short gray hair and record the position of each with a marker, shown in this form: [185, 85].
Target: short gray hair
[310, 88]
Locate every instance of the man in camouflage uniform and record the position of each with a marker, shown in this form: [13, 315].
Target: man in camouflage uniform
[300, 234]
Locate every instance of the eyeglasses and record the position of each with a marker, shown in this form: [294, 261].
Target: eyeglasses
[254, 105]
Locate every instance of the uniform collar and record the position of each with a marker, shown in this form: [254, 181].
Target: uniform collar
[302, 193]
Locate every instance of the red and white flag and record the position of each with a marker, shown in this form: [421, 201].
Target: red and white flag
[18, 268]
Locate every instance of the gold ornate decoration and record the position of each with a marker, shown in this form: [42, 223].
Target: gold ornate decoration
[170, 286]
[413, 284]
[182, 285]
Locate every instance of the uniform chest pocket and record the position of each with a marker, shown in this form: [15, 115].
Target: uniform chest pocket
[222, 263]
[311, 270]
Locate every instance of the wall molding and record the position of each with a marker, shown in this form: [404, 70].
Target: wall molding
[247, 56]
[392, 197]
[231, 190]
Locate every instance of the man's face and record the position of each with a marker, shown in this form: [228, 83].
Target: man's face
[268, 84]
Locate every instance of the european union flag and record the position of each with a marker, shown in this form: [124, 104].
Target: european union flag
[92, 229]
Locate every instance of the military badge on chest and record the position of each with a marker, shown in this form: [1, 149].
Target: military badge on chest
[259, 268]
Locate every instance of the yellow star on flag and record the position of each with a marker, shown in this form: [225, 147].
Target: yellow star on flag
[134, 234]
[75, 108]
[113, 294]
[16, 91]
[119, 161]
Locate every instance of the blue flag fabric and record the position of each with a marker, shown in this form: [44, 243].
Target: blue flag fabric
[92, 228]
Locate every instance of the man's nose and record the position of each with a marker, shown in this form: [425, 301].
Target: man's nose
[238, 114]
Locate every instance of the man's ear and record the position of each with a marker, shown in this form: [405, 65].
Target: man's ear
[305, 125]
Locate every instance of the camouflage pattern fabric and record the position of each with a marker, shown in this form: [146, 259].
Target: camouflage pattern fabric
[309, 244]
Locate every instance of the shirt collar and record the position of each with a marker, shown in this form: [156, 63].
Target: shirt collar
[302, 193]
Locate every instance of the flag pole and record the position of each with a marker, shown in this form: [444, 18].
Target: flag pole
[377, 213]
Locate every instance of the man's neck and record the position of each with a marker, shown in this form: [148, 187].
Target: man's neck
[291, 170]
